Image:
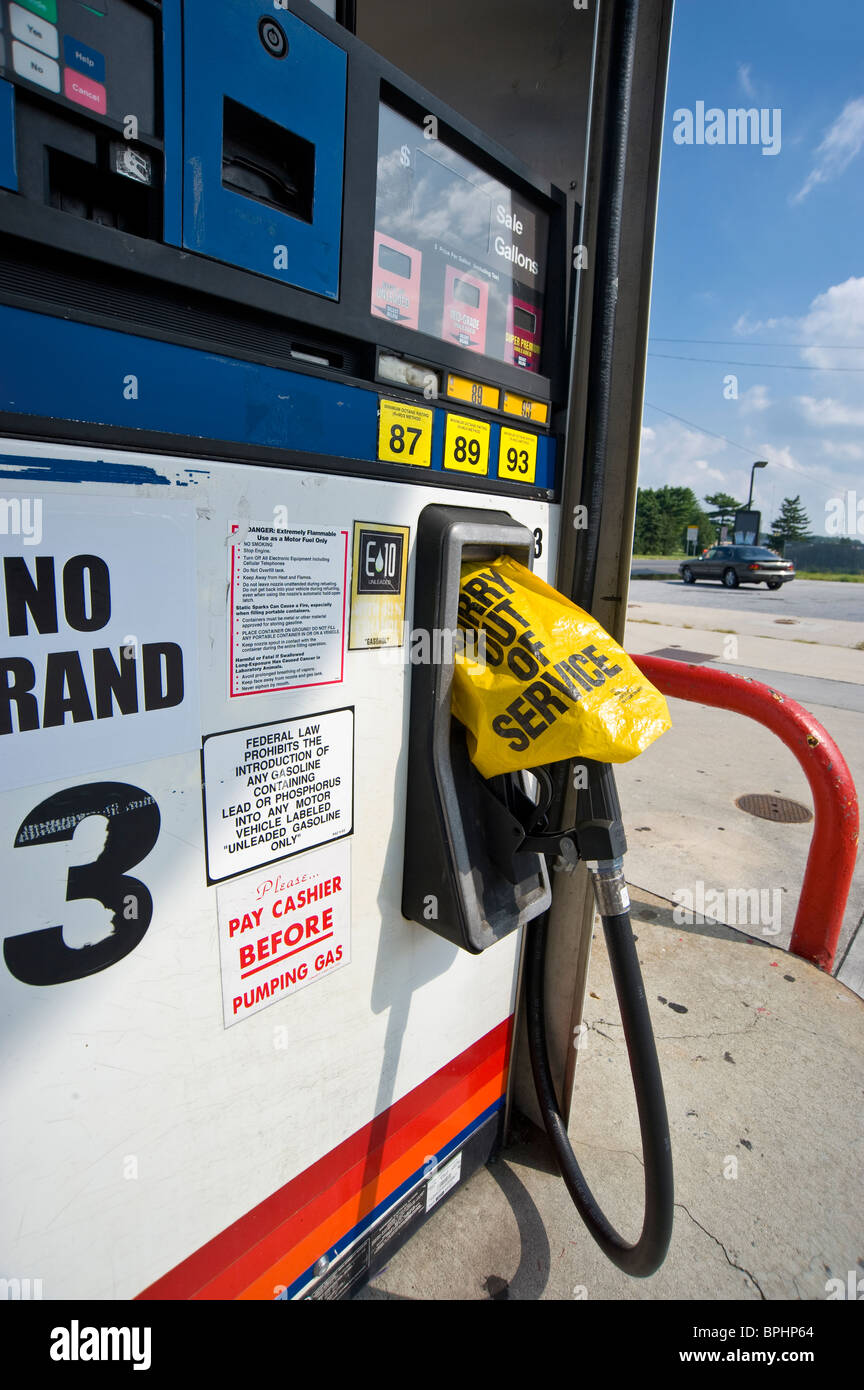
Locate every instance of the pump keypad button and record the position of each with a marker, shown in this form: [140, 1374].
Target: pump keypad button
[273, 37]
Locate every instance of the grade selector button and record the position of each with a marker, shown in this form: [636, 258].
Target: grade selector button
[84, 58]
[36, 67]
[35, 32]
[46, 9]
[86, 93]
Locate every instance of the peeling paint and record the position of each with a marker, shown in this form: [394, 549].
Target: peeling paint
[82, 471]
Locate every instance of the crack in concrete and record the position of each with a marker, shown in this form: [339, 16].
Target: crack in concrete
[605, 1149]
[731, 1033]
[677, 1037]
[594, 1029]
[729, 1260]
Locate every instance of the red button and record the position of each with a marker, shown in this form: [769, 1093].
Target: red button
[84, 92]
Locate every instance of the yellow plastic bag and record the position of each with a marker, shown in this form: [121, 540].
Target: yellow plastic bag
[551, 683]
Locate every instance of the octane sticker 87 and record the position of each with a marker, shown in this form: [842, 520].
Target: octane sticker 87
[405, 434]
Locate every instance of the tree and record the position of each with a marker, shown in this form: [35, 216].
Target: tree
[725, 508]
[792, 523]
[662, 517]
[707, 530]
[646, 536]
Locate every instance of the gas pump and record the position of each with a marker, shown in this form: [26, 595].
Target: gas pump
[284, 341]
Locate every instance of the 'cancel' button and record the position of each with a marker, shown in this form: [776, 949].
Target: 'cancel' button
[86, 93]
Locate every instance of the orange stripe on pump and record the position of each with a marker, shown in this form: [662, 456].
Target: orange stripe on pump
[287, 1269]
[370, 1175]
[265, 1237]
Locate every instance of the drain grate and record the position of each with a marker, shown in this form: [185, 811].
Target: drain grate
[682, 654]
[776, 808]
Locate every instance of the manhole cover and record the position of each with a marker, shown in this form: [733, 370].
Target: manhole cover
[777, 808]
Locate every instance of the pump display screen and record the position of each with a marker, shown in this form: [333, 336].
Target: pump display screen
[466, 292]
[394, 261]
[478, 249]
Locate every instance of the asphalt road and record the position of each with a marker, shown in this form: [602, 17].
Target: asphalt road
[800, 598]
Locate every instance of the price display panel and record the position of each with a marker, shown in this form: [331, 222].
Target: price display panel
[457, 254]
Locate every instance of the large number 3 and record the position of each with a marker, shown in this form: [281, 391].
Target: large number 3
[43, 957]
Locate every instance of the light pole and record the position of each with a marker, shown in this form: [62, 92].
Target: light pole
[760, 463]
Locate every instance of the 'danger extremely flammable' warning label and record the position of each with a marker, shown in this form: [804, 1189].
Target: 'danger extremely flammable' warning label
[276, 789]
[281, 931]
[286, 610]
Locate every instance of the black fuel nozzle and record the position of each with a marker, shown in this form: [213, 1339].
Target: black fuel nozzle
[599, 829]
[517, 824]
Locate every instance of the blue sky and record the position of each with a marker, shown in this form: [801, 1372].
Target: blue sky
[764, 255]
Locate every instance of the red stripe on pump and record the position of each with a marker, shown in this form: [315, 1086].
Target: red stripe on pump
[250, 1245]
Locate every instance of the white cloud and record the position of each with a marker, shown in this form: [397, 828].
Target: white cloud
[705, 467]
[746, 327]
[785, 459]
[812, 467]
[842, 142]
[836, 317]
[756, 398]
[827, 411]
[745, 80]
[846, 452]
[675, 455]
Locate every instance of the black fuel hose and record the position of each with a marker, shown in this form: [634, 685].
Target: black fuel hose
[647, 1254]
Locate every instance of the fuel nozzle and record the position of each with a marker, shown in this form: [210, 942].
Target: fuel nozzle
[597, 835]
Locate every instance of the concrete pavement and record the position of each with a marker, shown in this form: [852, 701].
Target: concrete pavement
[762, 1054]
[683, 827]
[763, 1064]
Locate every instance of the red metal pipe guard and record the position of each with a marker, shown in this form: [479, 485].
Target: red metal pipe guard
[834, 845]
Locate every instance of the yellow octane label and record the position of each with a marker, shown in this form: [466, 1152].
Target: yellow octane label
[517, 456]
[459, 388]
[405, 434]
[538, 411]
[466, 445]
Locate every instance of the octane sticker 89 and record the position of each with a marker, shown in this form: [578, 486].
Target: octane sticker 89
[466, 445]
